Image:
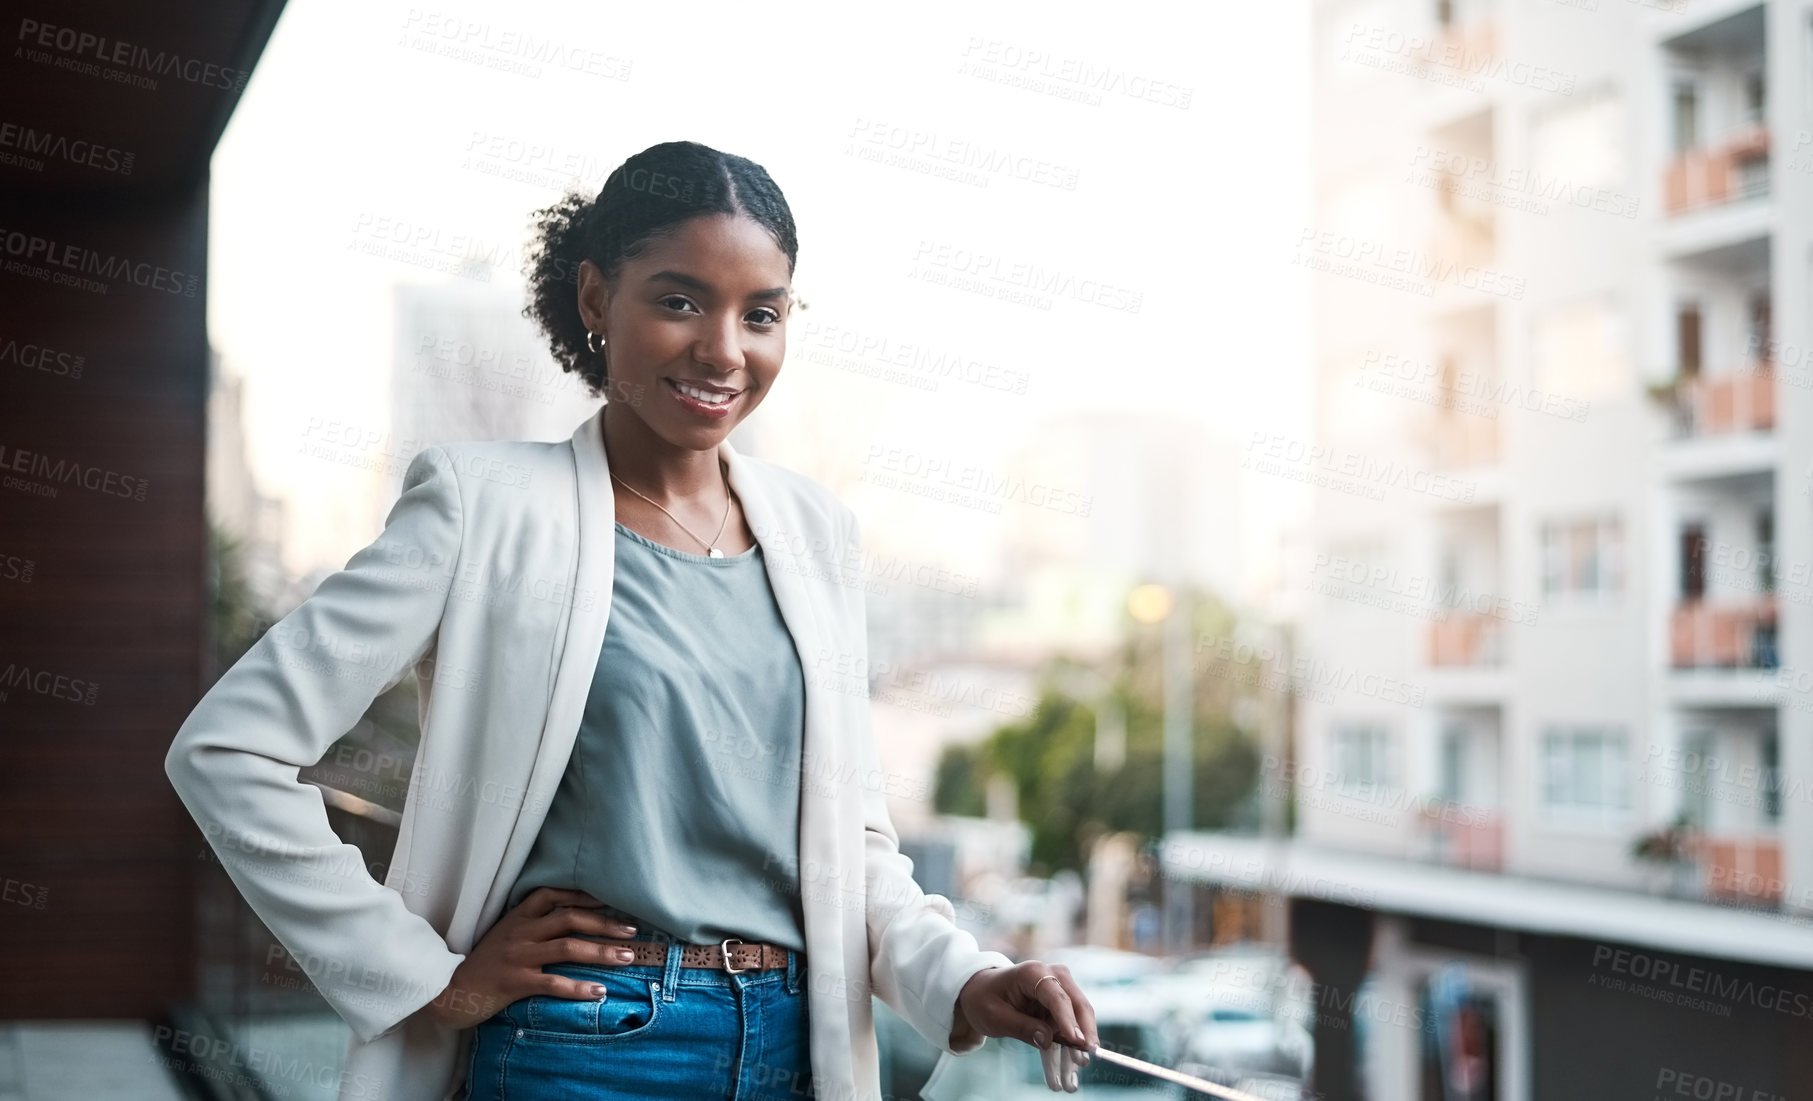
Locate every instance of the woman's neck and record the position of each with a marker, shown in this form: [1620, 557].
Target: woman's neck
[666, 473]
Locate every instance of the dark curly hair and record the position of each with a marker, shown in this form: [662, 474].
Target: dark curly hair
[649, 195]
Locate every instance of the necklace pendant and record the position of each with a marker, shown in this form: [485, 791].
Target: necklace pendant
[716, 553]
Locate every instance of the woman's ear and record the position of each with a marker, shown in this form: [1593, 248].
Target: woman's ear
[594, 296]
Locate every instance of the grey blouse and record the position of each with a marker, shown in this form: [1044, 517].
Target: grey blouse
[680, 805]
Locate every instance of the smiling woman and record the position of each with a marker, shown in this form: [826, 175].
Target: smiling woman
[632, 923]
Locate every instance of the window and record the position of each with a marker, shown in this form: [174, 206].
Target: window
[1765, 550]
[1686, 115]
[1687, 339]
[1453, 765]
[1584, 770]
[1756, 102]
[1770, 750]
[1581, 142]
[1582, 557]
[1759, 329]
[1693, 561]
[1696, 789]
[1362, 757]
[1580, 350]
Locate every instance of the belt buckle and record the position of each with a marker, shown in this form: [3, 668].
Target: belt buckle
[724, 948]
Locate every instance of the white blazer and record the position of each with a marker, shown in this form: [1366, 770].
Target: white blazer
[492, 579]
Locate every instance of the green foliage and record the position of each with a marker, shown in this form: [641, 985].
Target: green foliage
[1050, 755]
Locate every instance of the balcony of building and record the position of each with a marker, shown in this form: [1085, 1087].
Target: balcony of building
[1720, 780]
[1470, 609]
[1721, 400]
[1729, 634]
[1462, 825]
[1719, 142]
[1720, 563]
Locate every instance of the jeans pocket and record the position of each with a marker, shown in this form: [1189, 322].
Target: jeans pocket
[632, 1007]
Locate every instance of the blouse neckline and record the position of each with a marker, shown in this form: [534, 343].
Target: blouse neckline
[702, 559]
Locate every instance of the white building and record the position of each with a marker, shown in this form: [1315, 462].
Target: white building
[1559, 588]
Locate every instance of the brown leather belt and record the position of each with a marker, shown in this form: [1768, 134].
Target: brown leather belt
[732, 955]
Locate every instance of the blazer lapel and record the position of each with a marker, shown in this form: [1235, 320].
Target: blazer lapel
[595, 550]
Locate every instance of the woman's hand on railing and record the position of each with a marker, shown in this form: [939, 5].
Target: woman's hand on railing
[1036, 1002]
[506, 964]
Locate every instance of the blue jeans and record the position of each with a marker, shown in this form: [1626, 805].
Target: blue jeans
[663, 1031]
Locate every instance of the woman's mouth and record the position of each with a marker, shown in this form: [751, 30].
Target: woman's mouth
[706, 403]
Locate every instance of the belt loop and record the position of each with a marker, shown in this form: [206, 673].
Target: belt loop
[792, 971]
[670, 978]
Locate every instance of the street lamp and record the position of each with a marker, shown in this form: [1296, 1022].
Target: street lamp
[1150, 604]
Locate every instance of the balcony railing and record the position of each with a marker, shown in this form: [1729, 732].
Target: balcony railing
[1459, 836]
[1724, 634]
[1466, 639]
[1715, 405]
[1742, 868]
[1710, 175]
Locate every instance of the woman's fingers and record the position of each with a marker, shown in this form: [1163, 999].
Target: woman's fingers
[570, 919]
[543, 900]
[575, 950]
[1079, 1004]
[1054, 993]
[559, 986]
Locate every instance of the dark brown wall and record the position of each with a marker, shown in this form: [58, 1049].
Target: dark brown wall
[102, 585]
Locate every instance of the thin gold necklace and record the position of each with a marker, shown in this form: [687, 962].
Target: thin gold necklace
[711, 548]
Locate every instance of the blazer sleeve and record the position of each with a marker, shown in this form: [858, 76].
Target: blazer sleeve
[299, 689]
[919, 959]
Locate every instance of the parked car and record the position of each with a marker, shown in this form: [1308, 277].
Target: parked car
[1238, 1034]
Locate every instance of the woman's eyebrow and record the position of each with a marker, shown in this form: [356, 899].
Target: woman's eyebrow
[695, 283]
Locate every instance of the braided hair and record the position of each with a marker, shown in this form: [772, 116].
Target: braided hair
[649, 195]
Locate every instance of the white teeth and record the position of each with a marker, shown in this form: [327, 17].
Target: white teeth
[705, 396]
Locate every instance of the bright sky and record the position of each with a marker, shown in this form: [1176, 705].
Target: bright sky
[348, 122]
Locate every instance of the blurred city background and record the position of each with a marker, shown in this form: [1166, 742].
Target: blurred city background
[1334, 478]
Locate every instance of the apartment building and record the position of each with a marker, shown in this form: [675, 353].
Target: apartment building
[1552, 768]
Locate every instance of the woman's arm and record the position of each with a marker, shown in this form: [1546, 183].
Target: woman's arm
[300, 688]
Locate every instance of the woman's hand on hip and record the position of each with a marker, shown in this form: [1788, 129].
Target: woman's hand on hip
[1039, 1003]
[506, 964]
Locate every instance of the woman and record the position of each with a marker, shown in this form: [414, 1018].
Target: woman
[592, 895]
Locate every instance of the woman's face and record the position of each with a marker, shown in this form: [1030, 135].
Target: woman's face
[703, 308]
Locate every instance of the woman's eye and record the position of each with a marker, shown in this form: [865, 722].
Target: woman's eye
[671, 299]
[764, 316]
